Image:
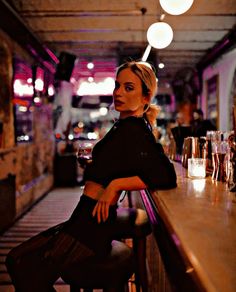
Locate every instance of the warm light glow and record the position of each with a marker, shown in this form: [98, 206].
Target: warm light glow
[37, 99]
[196, 167]
[80, 124]
[103, 111]
[22, 108]
[199, 185]
[159, 35]
[23, 138]
[176, 7]
[104, 87]
[22, 89]
[161, 65]
[90, 65]
[51, 90]
[92, 135]
[94, 114]
[39, 84]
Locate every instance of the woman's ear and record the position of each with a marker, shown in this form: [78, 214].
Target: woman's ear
[147, 98]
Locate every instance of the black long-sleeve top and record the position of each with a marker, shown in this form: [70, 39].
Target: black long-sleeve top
[129, 149]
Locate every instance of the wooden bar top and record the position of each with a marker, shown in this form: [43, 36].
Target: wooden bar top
[200, 214]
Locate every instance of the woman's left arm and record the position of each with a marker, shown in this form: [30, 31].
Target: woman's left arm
[112, 192]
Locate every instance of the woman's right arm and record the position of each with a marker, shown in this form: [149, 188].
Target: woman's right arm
[111, 194]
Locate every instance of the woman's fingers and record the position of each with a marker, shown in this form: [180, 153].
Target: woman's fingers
[105, 211]
[96, 211]
[99, 212]
[101, 209]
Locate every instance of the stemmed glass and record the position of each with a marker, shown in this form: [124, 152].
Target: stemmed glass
[84, 154]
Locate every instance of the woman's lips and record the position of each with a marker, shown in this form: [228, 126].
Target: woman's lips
[118, 103]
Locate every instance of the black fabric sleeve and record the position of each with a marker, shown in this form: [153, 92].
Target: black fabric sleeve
[156, 170]
[151, 163]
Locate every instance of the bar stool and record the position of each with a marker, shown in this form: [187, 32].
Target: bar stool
[110, 274]
[133, 223]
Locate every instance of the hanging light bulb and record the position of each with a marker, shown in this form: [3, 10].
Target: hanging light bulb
[175, 7]
[159, 35]
[90, 65]
[161, 65]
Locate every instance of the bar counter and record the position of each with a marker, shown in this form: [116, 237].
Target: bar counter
[195, 229]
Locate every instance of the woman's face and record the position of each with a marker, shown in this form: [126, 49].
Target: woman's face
[128, 96]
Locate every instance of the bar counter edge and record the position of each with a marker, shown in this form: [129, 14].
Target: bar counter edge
[194, 225]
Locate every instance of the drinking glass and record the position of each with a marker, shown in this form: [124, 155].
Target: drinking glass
[84, 154]
[196, 167]
[220, 149]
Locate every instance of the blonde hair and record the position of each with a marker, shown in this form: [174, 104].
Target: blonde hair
[146, 73]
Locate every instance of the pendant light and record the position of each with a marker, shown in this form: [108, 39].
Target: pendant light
[176, 7]
[159, 35]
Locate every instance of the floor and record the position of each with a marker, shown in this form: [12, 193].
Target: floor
[52, 209]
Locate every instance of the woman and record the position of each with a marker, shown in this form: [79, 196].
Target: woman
[127, 158]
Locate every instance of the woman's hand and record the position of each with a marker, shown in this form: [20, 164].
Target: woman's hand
[108, 197]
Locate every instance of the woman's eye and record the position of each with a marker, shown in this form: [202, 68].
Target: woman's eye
[128, 88]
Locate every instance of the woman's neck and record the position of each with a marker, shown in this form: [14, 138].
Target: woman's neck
[124, 115]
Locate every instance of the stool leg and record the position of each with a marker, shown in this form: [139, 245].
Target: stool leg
[141, 278]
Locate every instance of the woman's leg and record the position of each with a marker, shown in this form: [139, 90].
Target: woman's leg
[31, 274]
[27, 267]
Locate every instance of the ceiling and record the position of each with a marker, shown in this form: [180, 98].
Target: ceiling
[109, 31]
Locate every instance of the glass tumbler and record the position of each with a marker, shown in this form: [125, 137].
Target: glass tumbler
[196, 167]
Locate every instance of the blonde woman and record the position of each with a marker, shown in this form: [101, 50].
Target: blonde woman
[126, 158]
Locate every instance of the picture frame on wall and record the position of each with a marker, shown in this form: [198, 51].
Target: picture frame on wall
[212, 100]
